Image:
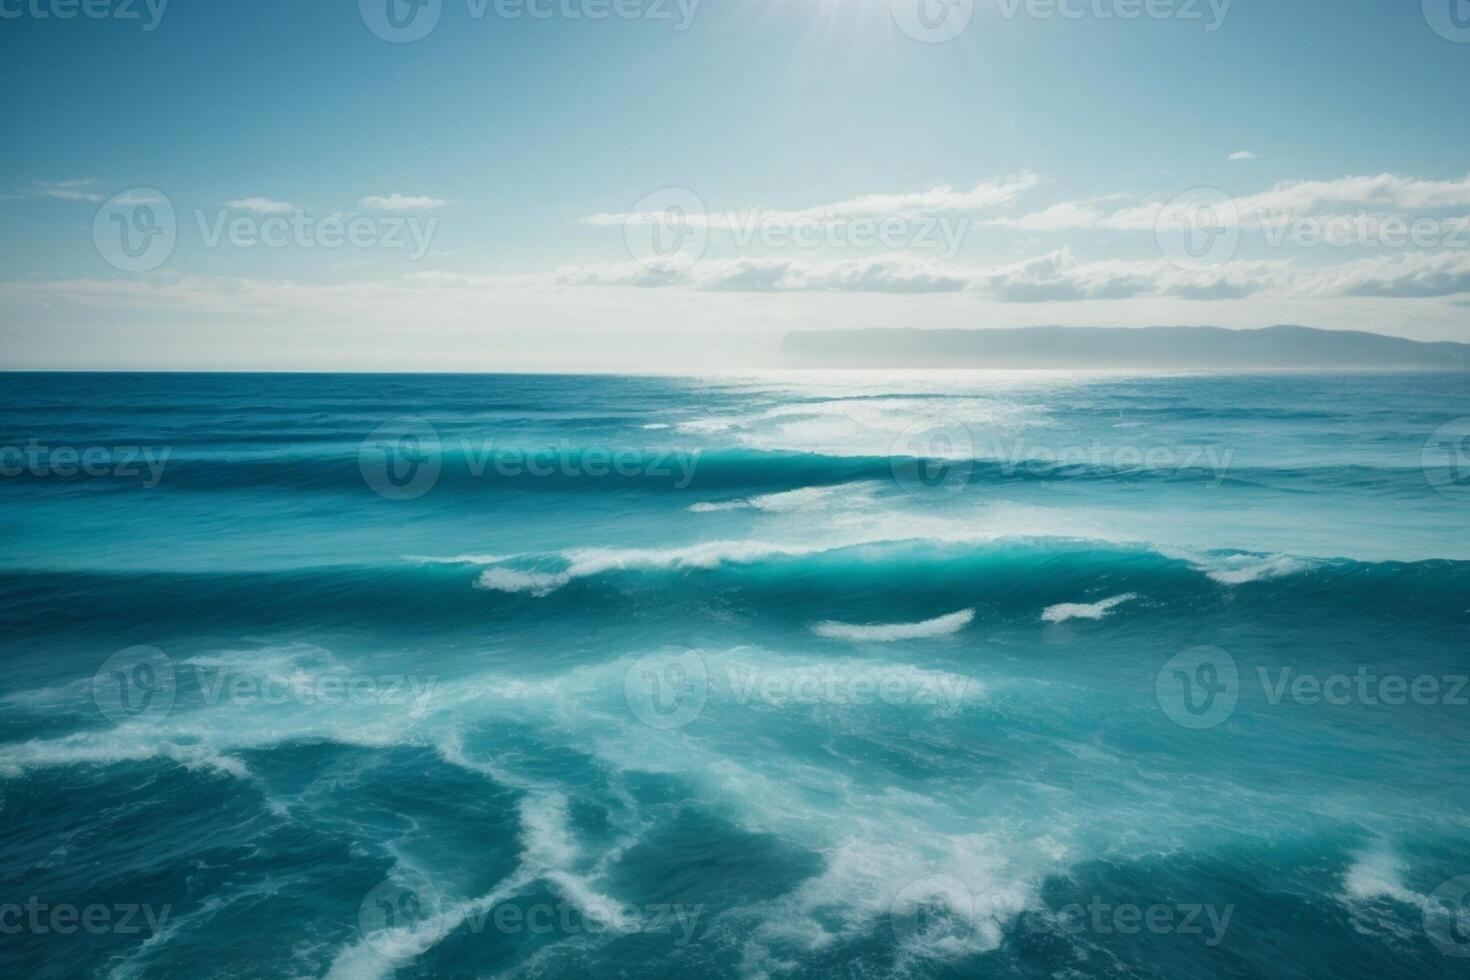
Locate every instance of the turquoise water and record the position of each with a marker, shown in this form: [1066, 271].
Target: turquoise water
[785, 675]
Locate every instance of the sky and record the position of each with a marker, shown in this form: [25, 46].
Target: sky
[517, 185]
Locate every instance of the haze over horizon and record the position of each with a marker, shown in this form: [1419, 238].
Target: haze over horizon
[448, 202]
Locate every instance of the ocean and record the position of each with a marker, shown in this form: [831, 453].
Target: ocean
[786, 675]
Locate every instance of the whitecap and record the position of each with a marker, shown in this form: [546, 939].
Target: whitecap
[1240, 568]
[456, 559]
[878, 883]
[1378, 873]
[1080, 610]
[89, 748]
[891, 632]
[800, 500]
[715, 507]
[845, 426]
[585, 562]
[549, 853]
[511, 580]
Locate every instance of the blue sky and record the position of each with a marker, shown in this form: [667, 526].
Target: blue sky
[1045, 164]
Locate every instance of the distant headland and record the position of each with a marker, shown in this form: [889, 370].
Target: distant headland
[1283, 348]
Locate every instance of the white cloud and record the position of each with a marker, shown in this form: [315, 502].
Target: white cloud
[880, 274]
[884, 274]
[1386, 193]
[1043, 278]
[941, 199]
[1411, 275]
[132, 199]
[1050, 278]
[1085, 216]
[67, 190]
[74, 196]
[1076, 214]
[1059, 277]
[1054, 277]
[262, 205]
[400, 202]
[1242, 155]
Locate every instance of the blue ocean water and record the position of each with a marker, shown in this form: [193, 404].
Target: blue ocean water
[784, 675]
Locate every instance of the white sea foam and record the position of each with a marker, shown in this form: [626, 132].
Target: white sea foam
[457, 559]
[1378, 873]
[274, 664]
[133, 965]
[861, 529]
[61, 697]
[877, 882]
[549, 822]
[106, 748]
[801, 500]
[207, 730]
[891, 632]
[511, 580]
[1238, 569]
[389, 949]
[714, 507]
[864, 868]
[873, 530]
[704, 426]
[1082, 610]
[849, 524]
[549, 853]
[867, 426]
[585, 562]
[1375, 876]
[846, 522]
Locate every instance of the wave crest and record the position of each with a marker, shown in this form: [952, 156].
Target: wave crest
[892, 632]
[1064, 611]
